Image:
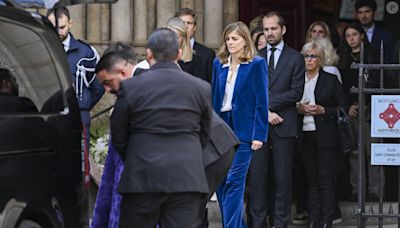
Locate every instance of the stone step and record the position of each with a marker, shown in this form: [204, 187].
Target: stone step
[345, 224]
[347, 208]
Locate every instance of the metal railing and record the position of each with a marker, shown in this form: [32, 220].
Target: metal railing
[364, 68]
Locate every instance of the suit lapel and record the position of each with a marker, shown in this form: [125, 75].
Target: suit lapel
[320, 84]
[375, 38]
[243, 70]
[282, 62]
[223, 74]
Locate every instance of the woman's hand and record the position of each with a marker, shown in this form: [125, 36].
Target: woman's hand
[311, 109]
[302, 109]
[353, 111]
[256, 145]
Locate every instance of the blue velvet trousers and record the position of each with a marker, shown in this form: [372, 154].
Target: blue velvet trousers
[231, 191]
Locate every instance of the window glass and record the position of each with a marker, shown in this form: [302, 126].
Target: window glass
[26, 57]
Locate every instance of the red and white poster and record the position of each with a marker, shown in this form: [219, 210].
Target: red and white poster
[385, 116]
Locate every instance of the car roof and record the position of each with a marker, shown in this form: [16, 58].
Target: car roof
[48, 4]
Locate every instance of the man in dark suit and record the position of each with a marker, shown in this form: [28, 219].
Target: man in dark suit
[286, 72]
[160, 125]
[206, 54]
[365, 12]
[115, 66]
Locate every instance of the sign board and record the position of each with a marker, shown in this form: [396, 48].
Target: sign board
[385, 116]
[385, 154]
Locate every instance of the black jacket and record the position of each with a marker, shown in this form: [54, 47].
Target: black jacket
[207, 56]
[160, 125]
[329, 94]
[286, 87]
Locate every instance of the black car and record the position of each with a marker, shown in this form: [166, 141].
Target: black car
[41, 157]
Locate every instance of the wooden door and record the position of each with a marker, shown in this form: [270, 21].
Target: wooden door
[298, 15]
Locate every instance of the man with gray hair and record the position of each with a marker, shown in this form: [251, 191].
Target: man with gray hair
[160, 126]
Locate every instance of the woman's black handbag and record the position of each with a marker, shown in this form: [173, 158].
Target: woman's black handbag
[347, 141]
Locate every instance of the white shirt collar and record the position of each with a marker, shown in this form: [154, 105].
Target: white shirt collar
[66, 42]
[228, 64]
[311, 80]
[192, 42]
[278, 46]
[371, 30]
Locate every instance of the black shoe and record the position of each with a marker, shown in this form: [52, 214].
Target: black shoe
[372, 197]
[337, 216]
[327, 225]
[313, 224]
[300, 218]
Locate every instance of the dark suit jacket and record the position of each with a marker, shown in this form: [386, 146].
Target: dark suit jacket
[207, 56]
[195, 67]
[222, 139]
[286, 87]
[160, 126]
[329, 94]
[388, 43]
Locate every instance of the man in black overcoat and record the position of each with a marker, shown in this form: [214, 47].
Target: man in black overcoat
[160, 126]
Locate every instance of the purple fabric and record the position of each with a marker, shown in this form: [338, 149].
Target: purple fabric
[106, 212]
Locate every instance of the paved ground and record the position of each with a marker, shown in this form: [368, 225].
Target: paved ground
[347, 209]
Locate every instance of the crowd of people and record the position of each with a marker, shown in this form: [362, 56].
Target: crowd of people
[265, 125]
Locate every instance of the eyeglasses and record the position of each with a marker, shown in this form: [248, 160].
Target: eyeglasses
[310, 56]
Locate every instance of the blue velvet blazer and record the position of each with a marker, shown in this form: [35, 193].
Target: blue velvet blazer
[250, 98]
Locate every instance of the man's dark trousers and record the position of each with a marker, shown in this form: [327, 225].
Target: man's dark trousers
[146, 210]
[278, 151]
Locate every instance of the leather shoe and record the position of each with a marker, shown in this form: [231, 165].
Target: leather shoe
[327, 225]
[313, 224]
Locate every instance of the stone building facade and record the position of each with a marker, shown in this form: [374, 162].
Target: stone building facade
[132, 21]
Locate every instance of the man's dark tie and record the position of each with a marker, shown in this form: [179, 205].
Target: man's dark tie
[271, 62]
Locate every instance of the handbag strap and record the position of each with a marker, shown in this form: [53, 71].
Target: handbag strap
[341, 112]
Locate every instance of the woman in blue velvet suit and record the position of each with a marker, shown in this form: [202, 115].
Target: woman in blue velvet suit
[240, 97]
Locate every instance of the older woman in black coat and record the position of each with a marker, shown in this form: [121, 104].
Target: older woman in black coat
[322, 96]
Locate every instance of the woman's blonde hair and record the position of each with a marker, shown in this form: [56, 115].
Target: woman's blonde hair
[243, 31]
[314, 45]
[331, 57]
[178, 26]
[323, 24]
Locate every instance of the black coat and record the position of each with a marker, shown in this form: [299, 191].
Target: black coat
[207, 56]
[195, 67]
[329, 94]
[350, 76]
[286, 87]
[160, 125]
[222, 138]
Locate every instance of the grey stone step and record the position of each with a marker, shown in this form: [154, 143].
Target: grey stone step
[347, 208]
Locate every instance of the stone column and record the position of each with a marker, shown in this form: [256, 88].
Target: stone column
[231, 11]
[213, 22]
[140, 21]
[151, 15]
[165, 10]
[77, 13]
[187, 4]
[199, 10]
[121, 21]
[93, 23]
[105, 22]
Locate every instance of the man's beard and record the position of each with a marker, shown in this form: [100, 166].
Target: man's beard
[62, 37]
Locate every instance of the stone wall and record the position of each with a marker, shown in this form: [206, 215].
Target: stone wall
[131, 21]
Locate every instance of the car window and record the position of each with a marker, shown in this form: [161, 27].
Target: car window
[24, 54]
